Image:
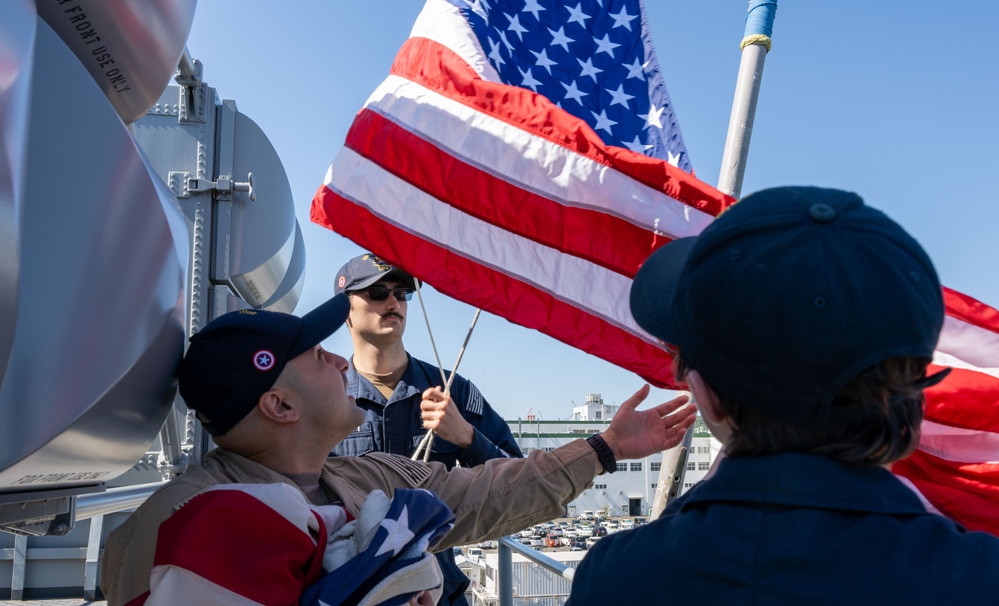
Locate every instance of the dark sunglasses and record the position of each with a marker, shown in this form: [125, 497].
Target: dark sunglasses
[380, 293]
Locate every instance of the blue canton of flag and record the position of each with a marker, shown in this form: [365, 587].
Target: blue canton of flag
[595, 60]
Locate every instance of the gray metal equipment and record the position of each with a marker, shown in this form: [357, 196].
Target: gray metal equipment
[130, 47]
[117, 243]
[99, 329]
[17, 30]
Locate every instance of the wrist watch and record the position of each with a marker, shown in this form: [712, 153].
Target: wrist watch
[604, 453]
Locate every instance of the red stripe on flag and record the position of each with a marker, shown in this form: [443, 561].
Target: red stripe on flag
[492, 289]
[436, 67]
[970, 310]
[966, 492]
[239, 543]
[595, 236]
[965, 399]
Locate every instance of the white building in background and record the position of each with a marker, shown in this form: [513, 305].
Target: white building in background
[629, 491]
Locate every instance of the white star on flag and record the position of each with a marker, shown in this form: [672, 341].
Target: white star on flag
[604, 45]
[399, 533]
[652, 118]
[588, 69]
[619, 97]
[544, 61]
[515, 26]
[636, 70]
[623, 19]
[560, 39]
[576, 15]
[603, 122]
[529, 81]
[573, 92]
[534, 8]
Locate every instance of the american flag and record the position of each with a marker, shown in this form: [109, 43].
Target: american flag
[523, 204]
[531, 206]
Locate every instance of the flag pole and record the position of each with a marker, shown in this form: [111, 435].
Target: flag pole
[755, 45]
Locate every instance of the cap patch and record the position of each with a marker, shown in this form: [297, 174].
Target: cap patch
[263, 360]
[342, 281]
[378, 262]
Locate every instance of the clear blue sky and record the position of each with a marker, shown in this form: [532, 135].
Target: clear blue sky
[894, 100]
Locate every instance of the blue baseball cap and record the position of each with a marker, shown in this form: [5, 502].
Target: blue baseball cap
[364, 270]
[237, 357]
[790, 294]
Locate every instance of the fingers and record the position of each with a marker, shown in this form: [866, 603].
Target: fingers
[435, 394]
[637, 398]
[668, 407]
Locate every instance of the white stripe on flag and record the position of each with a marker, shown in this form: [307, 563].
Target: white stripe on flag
[957, 444]
[584, 285]
[964, 345]
[532, 163]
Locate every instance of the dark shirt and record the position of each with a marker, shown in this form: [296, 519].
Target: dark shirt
[793, 529]
[394, 426]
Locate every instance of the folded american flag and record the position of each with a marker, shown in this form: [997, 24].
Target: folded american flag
[240, 544]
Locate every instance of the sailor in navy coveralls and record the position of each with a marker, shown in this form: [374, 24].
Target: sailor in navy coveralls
[387, 384]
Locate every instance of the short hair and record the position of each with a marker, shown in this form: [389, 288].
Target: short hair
[888, 401]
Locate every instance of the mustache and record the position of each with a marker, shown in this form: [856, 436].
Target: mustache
[389, 314]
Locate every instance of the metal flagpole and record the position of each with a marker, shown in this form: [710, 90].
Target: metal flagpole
[755, 45]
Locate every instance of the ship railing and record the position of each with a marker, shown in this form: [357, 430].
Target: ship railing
[507, 545]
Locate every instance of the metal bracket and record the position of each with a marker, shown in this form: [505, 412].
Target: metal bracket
[224, 186]
[193, 102]
[183, 185]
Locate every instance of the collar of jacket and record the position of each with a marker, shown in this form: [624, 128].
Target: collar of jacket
[802, 480]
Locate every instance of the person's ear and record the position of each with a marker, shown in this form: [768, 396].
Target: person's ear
[275, 408]
[705, 398]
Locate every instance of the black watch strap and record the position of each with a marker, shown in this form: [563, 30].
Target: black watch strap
[604, 453]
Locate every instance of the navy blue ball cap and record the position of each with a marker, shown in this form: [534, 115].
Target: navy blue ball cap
[790, 294]
[237, 357]
[364, 270]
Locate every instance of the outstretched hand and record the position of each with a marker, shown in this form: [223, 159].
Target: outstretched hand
[634, 434]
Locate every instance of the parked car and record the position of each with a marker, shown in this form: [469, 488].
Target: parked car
[590, 542]
[488, 545]
[584, 531]
[577, 544]
[473, 553]
[599, 531]
[640, 521]
[551, 541]
[627, 523]
[589, 515]
[526, 534]
[537, 543]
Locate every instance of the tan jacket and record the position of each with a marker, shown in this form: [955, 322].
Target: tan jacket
[492, 500]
